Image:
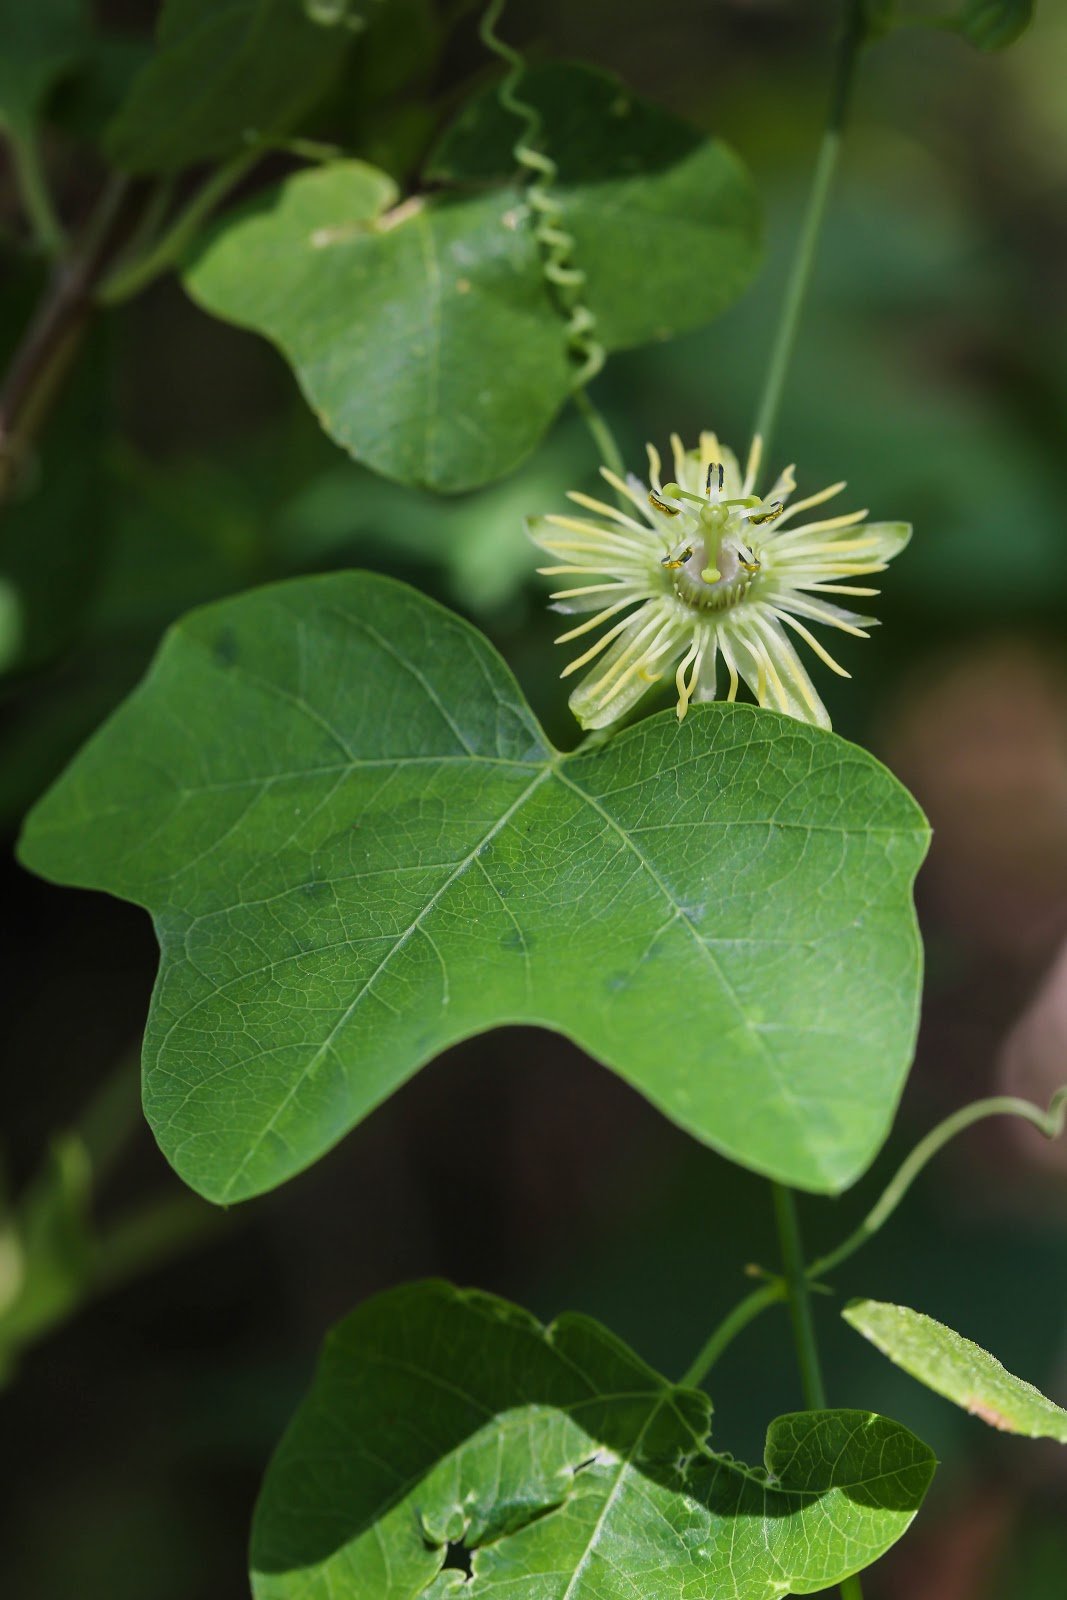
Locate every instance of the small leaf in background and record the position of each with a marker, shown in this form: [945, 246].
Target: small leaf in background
[40, 40]
[426, 339]
[958, 1369]
[665, 220]
[451, 1444]
[359, 848]
[223, 75]
[423, 339]
[994, 24]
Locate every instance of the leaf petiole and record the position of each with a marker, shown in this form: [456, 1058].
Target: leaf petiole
[129, 279]
[1051, 1123]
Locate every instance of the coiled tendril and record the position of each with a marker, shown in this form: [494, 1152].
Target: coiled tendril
[565, 279]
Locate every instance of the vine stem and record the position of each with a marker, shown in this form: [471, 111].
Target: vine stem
[598, 426]
[40, 363]
[798, 1289]
[799, 1296]
[853, 36]
[1051, 1123]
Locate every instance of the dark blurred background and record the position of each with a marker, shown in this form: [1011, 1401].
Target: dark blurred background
[181, 465]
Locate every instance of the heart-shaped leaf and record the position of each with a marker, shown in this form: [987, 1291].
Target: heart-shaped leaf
[958, 1369]
[449, 1430]
[358, 848]
[425, 337]
[224, 74]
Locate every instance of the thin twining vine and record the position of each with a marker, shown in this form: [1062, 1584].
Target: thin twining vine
[565, 279]
[1050, 1123]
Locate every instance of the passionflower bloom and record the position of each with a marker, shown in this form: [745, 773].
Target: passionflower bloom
[703, 567]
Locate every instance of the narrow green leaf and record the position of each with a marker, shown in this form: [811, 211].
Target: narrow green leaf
[225, 74]
[358, 848]
[426, 339]
[40, 40]
[423, 339]
[447, 1424]
[665, 221]
[958, 1369]
[994, 24]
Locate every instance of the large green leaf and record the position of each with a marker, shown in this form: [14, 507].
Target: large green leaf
[39, 41]
[223, 73]
[446, 1426]
[665, 221]
[958, 1369]
[425, 337]
[358, 848]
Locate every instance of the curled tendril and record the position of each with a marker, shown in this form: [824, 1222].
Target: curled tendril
[565, 279]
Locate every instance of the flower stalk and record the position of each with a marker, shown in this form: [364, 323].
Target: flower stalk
[854, 35]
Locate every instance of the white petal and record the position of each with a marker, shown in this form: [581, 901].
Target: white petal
[794, 692]
[889, 538]
[603, 697]
[823, 611]
[572, 602]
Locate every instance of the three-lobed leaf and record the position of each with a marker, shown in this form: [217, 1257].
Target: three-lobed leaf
[444, 1422]
[358, 848]
[957, 1368]
[223, 75]
[426, 337]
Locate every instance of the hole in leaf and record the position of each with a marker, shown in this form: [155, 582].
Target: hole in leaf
[458, 1557]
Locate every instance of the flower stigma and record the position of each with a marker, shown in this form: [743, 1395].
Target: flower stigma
[702, 568]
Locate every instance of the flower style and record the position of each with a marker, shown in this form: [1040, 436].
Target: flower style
[704, 567]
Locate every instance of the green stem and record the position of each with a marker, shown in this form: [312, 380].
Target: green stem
[1050, 1122]
[602, 434]
[731, 1325]
[799, 1295]
[34, 193]
[852, 38]
[799, 1292]
[129, 280]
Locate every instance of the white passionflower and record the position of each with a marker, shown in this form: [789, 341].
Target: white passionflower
[705, 567]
